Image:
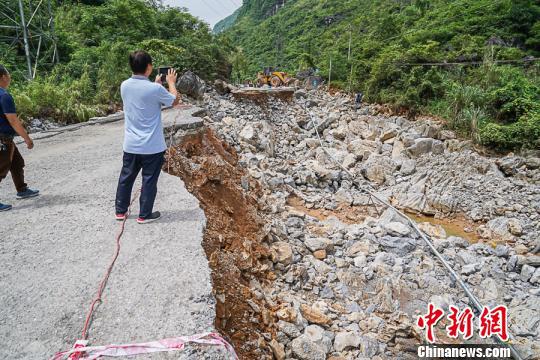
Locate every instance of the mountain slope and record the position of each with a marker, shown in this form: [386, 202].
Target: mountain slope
[392, 40]
[226, 23]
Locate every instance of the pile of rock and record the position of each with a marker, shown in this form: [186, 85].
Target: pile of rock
[353, 289]
[37, 125]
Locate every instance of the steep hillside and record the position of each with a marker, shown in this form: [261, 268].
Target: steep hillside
[226, 23]
[399, 51]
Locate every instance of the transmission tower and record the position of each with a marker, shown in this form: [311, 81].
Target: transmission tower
[27, 26]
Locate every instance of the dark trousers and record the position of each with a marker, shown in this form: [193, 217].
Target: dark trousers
[12, 162]
[151, 167]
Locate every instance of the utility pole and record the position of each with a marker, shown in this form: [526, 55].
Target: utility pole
[25, 37]
[55, 56]
[350, 78]
[330, 73]
[350, 41]
[35, 33]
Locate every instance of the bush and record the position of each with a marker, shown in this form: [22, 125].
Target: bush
[525, 133]
[62, 101]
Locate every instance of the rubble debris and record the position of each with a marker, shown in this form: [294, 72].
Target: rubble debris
[340, 276]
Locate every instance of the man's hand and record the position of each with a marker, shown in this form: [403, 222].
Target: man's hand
[171, 77]
[19, 129]
[158, 79]
[29, 143]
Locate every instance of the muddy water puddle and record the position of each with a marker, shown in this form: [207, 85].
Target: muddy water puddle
[345, 213]
[456, 226]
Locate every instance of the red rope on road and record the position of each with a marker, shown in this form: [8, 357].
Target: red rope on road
[109, 270]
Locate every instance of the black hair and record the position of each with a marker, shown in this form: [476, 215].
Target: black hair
[139, 61]
[3, 71]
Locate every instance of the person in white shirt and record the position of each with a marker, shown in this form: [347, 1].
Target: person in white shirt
[144, 141]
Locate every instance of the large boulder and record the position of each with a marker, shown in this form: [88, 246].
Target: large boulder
[223, 87]
[378, 168]
[192, 85]
[363, 148]
[420, 146]
[509, 165]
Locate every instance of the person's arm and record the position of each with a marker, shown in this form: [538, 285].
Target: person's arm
[171, 80]
[19, 129]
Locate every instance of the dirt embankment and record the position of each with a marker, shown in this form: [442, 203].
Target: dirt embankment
[233, 239]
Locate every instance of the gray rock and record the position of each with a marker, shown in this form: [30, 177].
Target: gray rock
[502, 251]
[300, 94]
[330, 119]
[465, 257]
[408, 167]
[305, 349]
[509, 165]
[346, 340]
[315, 244]
[499, 227]
[369, 346]
[222, 87]
[527, 272]
[437, 147]
[190, 84]
[390, 131]
[378, 168]
[446, 135]
[532, 163]
[318, 335]
[421, 146]
[399, 245]
[311, 103]
[525, 317]
[535, 278]
[319, 265]
[360, 261]
[533, 260]
[289, 329]
[397, 228]
[362, 148]
[470, 269]
[247, 133]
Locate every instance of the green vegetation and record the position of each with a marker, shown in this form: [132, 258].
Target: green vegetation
[494, 103]
[226, 23]
[95, 38]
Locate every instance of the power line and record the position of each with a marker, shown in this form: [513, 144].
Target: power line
[211, 8]
[234, 3]
[446, 20]
[526, 60]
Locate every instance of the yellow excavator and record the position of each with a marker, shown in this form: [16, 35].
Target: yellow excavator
[273, 78]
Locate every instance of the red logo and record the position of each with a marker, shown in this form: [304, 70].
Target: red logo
[492, 322]
[460, 323]
[429, 320]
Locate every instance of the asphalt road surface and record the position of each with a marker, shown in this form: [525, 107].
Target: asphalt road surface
[54, 250]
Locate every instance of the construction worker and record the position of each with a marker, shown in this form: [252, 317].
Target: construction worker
[144, 142]
[358, 100]
[11, 160]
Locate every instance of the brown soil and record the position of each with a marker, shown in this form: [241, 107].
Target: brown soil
[263, 97]
[233, 240]
[345, 213]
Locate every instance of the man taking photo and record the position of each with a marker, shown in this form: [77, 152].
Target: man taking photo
[11, 160]
[144, 141]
